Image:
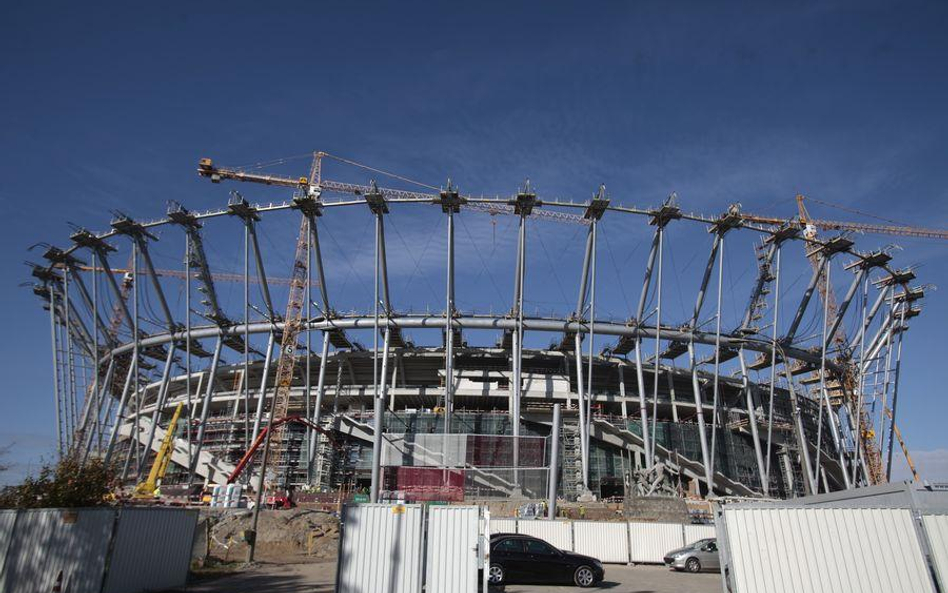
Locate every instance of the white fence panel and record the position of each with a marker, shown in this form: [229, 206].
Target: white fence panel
[48, 542]
[936, 528]
[695, 532]
[648, 542]
[607, 541]
[788, 550]
[557, 533]
[503, 525]
[151, 550]
[7, 521]
[381, 549]
[452, 549]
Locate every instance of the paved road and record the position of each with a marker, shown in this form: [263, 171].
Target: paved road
[638, 579]
[319, 578]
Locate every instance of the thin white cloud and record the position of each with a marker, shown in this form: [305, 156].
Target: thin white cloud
[931, 465]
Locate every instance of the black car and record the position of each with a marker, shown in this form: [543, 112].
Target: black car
[524, 559]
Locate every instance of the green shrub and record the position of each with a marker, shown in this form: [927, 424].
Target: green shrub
[68, 484]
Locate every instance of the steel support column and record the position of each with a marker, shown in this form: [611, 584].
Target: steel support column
[262, 393]
[895, 392]
[518, 343]
[159, 403]
[775, 331]
[448, 331]
[639, 374]
[378, 405]
[320, 390]
[119, 414]
[553, 484]
[807, 294]
[205, 410]
[693, 363]
[802, 444]
[843, 306]
[658, 339]
[57, 400]
[580, 382]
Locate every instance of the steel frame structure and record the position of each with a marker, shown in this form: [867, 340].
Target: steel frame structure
[91, 358]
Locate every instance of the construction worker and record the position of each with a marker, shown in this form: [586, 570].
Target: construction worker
[582, 513]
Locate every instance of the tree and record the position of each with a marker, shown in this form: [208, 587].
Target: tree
[67, 484]
[3, 453]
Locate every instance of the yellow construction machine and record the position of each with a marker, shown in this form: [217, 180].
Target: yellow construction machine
[147, 488]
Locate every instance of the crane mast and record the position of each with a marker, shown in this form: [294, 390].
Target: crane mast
[308, 202]
[289, 345]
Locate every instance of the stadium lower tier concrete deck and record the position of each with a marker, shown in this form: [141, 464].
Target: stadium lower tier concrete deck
[478, 458]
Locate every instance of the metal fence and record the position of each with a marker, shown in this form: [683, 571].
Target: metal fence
[100, 550]
[402, 548]
[610, 541]
[890, 537]
[788, 550]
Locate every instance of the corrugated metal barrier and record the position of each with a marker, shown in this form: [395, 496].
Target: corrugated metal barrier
[791, 550]
[48, 543]
[648, 542]
[381, 549]
[936, 529]
[397, 548]
[452, 561]
[609, 542]
[73, 548]
[558, 533]
[7, 520]
[503, 526]
[695, 532]
[151, 546]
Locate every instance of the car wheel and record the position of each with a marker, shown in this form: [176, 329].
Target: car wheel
[495, 576]
[693, 565]
[584, 577]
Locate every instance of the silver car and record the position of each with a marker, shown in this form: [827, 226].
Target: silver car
[701, 555]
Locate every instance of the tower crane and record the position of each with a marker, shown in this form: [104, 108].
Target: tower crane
[206, 168]
[314, 184]
[216, 276]
[308, 202]
[848, 378]
[805, 221]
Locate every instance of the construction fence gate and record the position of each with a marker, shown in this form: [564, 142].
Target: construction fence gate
[404, 548]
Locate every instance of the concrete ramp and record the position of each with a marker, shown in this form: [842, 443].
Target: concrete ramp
[215, 470]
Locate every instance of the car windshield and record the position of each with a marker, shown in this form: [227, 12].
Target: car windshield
[702, 542]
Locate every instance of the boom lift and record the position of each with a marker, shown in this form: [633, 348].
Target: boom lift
[147, 488]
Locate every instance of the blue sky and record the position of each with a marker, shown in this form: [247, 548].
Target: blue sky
[106, 108]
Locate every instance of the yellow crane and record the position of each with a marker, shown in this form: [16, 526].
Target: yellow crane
[810, 226]
[147, 488]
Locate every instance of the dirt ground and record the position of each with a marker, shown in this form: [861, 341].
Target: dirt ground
[320, 577]
[285, 536]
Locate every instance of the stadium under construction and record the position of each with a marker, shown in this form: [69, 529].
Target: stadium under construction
[796, 393]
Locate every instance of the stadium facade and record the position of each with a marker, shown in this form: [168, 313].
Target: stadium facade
[777, 401]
